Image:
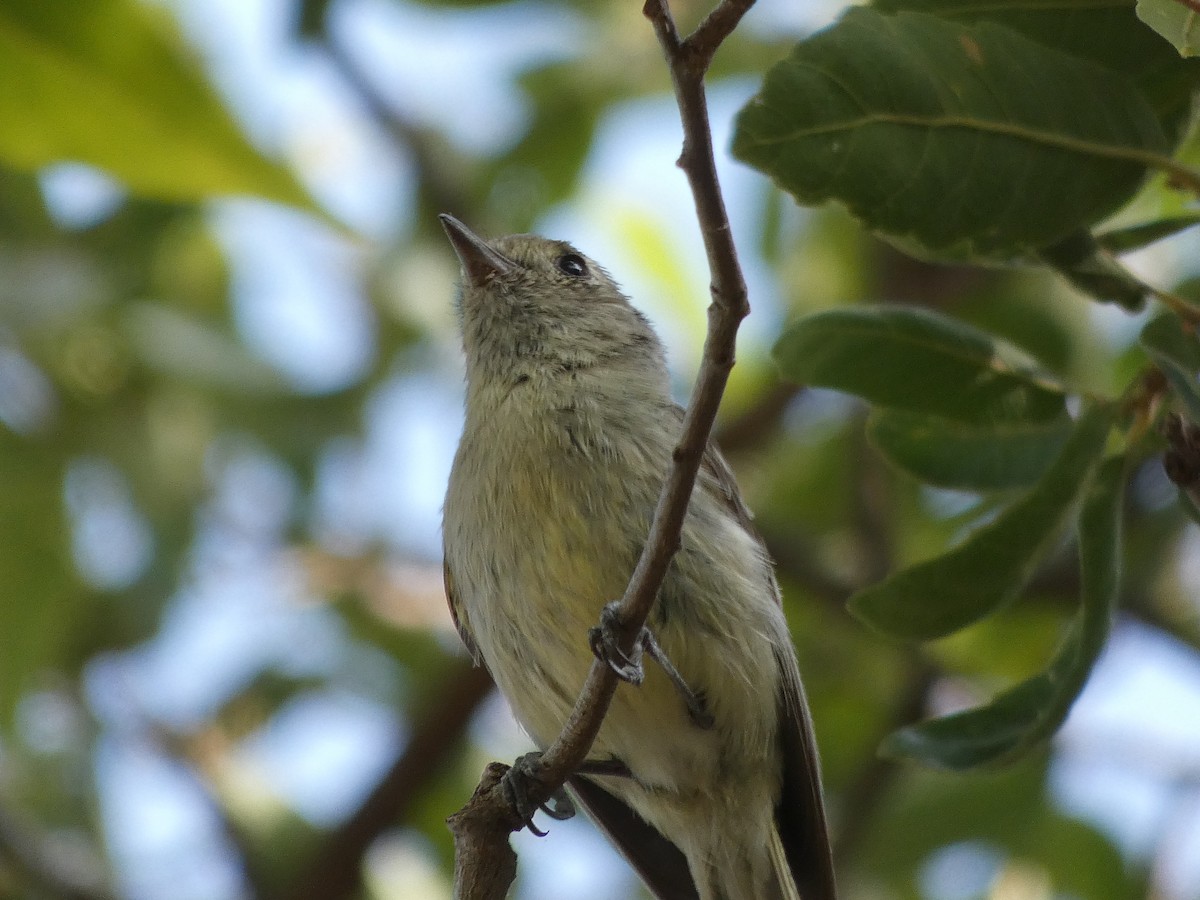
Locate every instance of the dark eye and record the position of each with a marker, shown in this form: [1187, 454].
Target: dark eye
[572, 264]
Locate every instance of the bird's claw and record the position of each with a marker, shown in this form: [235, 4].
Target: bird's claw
[604, 640]
[516, 782]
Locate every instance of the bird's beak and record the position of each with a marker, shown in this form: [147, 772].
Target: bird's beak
[480, 263]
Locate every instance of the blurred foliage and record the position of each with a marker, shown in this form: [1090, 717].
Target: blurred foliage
[971, 449]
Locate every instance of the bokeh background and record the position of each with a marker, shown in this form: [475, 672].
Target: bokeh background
[226, 423]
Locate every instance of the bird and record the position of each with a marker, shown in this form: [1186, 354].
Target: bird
[569, 430]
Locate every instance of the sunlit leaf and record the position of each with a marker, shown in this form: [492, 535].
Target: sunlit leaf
[968, 456]
[40, 596]
[1178, 22]
[1034, 709]
[939, 596]
[916, 361]
[105, 82]
[931, 129]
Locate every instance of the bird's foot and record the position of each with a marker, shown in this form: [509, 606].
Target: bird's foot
[604, 640]
[521, 779]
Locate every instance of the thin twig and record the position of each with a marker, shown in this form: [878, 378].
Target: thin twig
[484, 862]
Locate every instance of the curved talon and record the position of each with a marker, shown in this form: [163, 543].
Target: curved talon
[604, 639]
[563, 809]
[515, 779]
[524, 770]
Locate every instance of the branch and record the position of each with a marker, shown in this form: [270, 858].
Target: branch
[484, 863]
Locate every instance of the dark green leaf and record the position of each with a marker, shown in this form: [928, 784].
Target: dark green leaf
[1176, 351]
[968, 456]
[1034, 709]
[988, 570]
[916, 361]
[105, 83]
[1122, 240]
[934, 130]
[1099, 30]
[1090, 268]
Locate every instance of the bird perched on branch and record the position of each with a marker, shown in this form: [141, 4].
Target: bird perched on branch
[713, 791]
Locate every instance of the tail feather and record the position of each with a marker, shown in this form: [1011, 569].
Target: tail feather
[781, 870]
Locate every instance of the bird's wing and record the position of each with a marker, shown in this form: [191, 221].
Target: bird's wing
[661, 865]
[463, 633]
[800, 814]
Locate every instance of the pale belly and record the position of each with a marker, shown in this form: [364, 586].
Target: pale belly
[528, 594]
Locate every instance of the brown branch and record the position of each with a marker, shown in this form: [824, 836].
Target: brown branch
[336, 869]
[1193, 5]
[484, 863]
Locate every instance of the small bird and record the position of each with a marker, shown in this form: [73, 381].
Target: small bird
[568, 437]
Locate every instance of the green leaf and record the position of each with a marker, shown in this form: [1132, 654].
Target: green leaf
[1104, 32]
[1176, 351]
[104, 83]
[988, 570]
[917, 361]
[1033, 710]
[934, 130]
[1178, 22]
[1123, 240]
[968, 456]
[1092, 270]
[40, 598]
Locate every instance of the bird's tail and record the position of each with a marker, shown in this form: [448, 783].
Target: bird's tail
[752, 875]
[781, 872]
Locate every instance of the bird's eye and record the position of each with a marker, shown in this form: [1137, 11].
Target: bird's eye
[572, 264]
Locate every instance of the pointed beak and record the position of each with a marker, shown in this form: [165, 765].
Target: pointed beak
[480, 263]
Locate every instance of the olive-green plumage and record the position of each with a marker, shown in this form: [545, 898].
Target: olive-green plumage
[569, 434]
